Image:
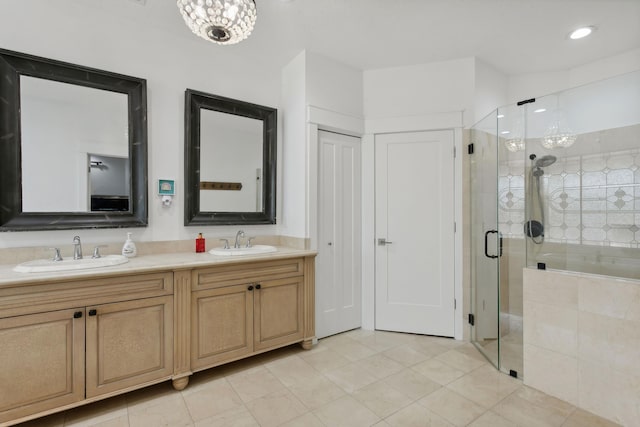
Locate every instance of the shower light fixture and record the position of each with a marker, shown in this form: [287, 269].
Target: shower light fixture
[219, 21]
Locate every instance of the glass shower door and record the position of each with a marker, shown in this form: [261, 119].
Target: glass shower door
[485, 241]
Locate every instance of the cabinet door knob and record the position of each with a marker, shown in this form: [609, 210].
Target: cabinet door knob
[250, 288]
[77, 315]
[258, 286]
[93, 312]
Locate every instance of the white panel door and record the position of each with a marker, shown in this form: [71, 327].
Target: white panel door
[338, 277]
[415, 232]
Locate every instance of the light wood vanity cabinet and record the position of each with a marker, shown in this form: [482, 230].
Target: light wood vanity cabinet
[65, 343]
[245, 309]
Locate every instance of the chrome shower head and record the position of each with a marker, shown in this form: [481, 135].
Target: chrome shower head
[545, 161]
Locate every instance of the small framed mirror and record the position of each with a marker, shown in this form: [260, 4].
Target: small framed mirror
[230, 161]
[74, 146]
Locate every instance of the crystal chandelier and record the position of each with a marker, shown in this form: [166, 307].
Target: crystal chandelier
[558, 134]
[515, 144]
[219, 21]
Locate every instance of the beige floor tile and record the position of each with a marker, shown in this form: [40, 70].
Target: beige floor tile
[292, 370]
[470, 350]
[346, 411]
[215, 398]
[307, 420]
[485, 386]
[416, 415]
[429, 346]
[406, 354]
[382, 399]
[454, 408]
[581, 418]
[382, 423]
[276, 408]
[491, 419]
[166, 412]
[441, 341]
[151, 396]
[326, 360]
[97, 412]
[412, 384]
[317, 392]
[254, 383]
[238, 417]
[438, 371]
[351, 377]
[531, 408]
[122, 421]
[353, 350]
[460, 361]
[383, 340]
[381, 366]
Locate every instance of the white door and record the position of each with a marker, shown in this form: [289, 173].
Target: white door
[338, 283]
[415, 232]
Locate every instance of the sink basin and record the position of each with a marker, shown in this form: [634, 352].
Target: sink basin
[47, 265]
[253, 250]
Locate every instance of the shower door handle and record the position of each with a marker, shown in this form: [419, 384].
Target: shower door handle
[486, 244]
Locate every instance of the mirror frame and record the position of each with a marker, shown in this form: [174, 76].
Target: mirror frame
[15, 64]
[194, 102]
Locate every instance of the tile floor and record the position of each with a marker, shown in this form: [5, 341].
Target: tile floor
[359, 378]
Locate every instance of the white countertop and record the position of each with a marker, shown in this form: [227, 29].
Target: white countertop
[146, 264]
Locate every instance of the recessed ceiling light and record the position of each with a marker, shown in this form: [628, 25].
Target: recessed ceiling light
[505, 132]
[581, 32]
[500, 116]
[540, 110]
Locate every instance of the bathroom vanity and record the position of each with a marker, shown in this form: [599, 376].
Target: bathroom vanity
[70, 338]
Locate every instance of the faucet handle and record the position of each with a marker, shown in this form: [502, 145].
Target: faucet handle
[249, 239]
[56, 255]
[96, 251]
[226, 243]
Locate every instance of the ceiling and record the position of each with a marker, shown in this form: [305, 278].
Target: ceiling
[514, 36]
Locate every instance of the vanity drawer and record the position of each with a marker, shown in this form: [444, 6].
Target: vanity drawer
[41, 297]
[240, 273]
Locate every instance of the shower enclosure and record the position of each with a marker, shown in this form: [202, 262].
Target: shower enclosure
[555, 184]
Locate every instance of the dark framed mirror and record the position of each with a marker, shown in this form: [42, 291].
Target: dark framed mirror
[73, 146]
[230, 161]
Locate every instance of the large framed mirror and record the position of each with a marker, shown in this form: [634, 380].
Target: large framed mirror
[73, 146]
[230, 161]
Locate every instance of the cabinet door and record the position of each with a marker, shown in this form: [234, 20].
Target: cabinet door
[128, 344]
[221, 325]
[41, 362]
[278, 309]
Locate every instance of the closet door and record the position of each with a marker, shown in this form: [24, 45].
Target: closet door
[338, 264]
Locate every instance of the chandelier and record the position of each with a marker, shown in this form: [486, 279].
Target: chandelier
[219, 21]
[558, 134]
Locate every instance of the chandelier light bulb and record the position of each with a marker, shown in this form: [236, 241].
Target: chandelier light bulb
[219, 21]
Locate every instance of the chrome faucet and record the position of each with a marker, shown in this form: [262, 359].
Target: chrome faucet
[77, 248]
[239, 234]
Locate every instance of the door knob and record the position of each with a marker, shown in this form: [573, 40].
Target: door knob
[383, 241]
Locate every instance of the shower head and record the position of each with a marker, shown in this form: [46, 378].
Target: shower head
[545, 161]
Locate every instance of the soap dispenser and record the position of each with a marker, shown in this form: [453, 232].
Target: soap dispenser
[129, 249]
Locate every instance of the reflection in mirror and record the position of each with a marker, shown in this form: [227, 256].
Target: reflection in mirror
[66, 129]
[232, 147]
[61, 125]
[230, 161]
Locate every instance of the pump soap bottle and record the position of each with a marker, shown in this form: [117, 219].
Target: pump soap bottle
[129, 249]
[200, 243]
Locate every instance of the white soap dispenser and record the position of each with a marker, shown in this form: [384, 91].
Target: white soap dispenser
[129, 249]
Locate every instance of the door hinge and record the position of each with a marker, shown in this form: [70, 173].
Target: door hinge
[455, 151]
[526, 101]
[470, 148]
[455, 304]
[472, 319]
[455, 227]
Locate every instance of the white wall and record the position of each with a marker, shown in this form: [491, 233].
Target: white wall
[491, 88]
[90, 34]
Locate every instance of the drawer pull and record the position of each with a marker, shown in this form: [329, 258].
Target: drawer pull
[93, 312]
[250, 288]
[258, 286]
[77, 315]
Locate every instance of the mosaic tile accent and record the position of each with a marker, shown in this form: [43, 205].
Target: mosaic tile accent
[589, 200]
